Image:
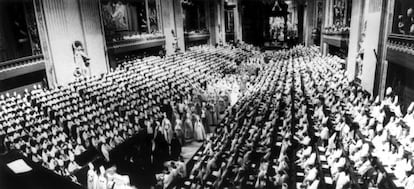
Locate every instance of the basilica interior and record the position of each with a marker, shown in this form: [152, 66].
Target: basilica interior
[190, 94]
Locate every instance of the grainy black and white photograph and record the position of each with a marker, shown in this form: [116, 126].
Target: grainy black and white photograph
[206, 94]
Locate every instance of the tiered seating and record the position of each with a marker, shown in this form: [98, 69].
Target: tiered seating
[30, 130]
[382, 146]
[65, 107]
[101, 112]
[309, 169]
[333, 173]
[253, 149]
[341, 116]
[300, 124]
[321, 103]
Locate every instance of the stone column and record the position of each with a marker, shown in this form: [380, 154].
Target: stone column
[179, 25]
[95, 45]
[372, 42]
[222, 29]
[44, 42]
[168, 24]
[213, 21]
[208, 18]
[310, 16]
[328, 20]
[382, 68]
[238, 35]
[172, 21]
[217, 27]
[69, 21]
[301, 19]
[354, 36]
[63, 27]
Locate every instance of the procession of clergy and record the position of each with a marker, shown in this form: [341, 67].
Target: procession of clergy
[279, 119]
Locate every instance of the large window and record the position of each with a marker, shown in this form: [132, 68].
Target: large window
[194, 15]
[229, 20]
[342, 12]
[153, 16]
[277, 27]
[341, 18]
[18, 30]
[130, 19]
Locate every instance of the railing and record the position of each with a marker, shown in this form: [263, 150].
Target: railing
[20, 61]
[400, 50]
[336, 40]
[196, 36]
[134, 40]
[21, 66]
[135, 44]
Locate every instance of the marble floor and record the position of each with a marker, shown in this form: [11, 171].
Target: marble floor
[188, 150]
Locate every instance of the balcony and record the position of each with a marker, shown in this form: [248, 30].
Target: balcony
[193, 36]
[128, 45]
[400, 50]
[336, 40]
[21, 66]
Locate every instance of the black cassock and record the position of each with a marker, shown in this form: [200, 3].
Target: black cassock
[175, 148]
[161, 152]
[143, 173]
[168, 110]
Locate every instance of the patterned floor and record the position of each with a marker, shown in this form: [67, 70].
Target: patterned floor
[189, 150]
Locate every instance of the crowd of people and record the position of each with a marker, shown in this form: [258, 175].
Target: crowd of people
[296, 121]
[154, 98]
[303, 124]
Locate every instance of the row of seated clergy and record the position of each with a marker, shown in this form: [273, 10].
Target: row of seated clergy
[385, 132]
[307, 160]
[336, 160]
[312, 91]
[231, 156]
[83, 119]
[340, 111]
[39, 138]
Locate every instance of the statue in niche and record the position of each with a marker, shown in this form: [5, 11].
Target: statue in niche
[175, 42]
[360, 56]
[82, 61]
